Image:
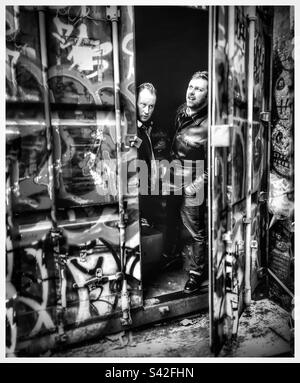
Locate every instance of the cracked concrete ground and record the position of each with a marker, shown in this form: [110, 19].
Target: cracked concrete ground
[263, 331]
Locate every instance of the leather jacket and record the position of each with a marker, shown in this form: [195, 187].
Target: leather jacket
[190, 141]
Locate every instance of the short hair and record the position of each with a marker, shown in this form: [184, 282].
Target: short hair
[149, 86]
[200, 74]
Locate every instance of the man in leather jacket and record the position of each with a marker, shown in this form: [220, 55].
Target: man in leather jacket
[145, 106]
[189, 148]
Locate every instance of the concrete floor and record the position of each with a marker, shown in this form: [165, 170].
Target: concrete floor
[166, 282]
[263, 332]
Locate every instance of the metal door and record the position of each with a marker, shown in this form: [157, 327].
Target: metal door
[72, 196]
[240, 98]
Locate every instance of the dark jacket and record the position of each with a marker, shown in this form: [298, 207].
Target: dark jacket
[190, 139]
[190, 144]
[145, 150]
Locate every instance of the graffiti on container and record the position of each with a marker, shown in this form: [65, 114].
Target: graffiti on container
[281, 198]
[97, 161]
[239, 59]
[282, 133]
[36, 299]
[90, 289]
[84, 154]
[259, 65]
[219, 217]
[83, 67]
[281, 193]
[23, 64]
[84, 54]
[27, 161]
[97, 166]
[222, 67]
[11, 297]
[239, 159]
[258, 155]
[281, 256]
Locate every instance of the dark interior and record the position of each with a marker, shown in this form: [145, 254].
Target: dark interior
[171, 44]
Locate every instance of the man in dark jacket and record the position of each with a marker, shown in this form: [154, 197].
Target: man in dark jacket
[189, 149]
[145, 106]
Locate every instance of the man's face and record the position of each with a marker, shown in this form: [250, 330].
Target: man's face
[196, 93]
[145, 105]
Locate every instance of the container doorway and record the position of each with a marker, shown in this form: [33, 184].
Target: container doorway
[171, 43]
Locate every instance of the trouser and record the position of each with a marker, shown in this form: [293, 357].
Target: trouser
[193, 218]
[173, 225]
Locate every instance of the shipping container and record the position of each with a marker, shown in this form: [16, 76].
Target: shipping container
[79, 263]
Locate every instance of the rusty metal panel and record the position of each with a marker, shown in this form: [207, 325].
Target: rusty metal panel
[239, 59]
[63, 262]
[218, 166]
[27, 160]
[79, 55]
[229, 171]
[127, 68]
[85, 157]
[230, 260]
[261, 141]
[30, 273]
[237, 180]
[260, 147]
[23, 60]
[239, 158]
[260, 103]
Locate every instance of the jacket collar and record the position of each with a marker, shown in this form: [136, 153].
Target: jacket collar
[196, 117]
[145, 126]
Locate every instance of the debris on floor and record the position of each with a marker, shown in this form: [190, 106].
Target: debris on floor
[263, 332]
[185, 322]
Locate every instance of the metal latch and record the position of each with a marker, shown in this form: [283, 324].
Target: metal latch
[83, 255]
[220, 135]
[246, 220]
[227, 237]
[263, 197]
[132, 140]
[260, 272]
[265, 116]
[239, 247]
[112, 12]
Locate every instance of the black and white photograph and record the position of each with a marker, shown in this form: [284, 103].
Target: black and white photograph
[149, 182]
